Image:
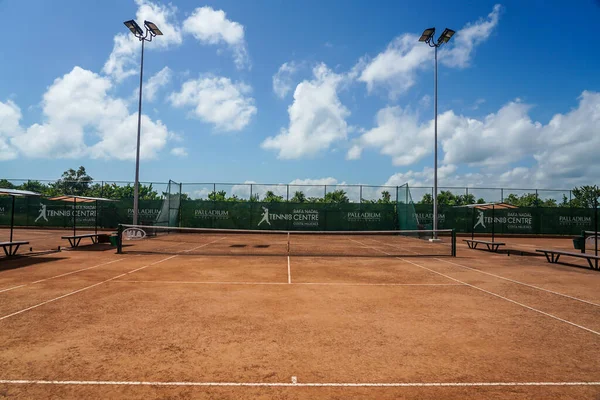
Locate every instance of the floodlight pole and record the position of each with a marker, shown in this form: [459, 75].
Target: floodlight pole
[427, 37]
[136, 188]
[151, 32]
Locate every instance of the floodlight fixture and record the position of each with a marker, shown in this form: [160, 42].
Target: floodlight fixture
[446, 35]
[134, 28]
[151, 26]
[427, 35]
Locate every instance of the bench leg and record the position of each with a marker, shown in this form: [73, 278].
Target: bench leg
[14, 252]
[5, 251]
[77, 242]
[94, 239]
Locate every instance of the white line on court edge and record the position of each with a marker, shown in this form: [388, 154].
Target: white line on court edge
[82, 289]
[507, 279]
[497, 295]
[501, 277]
[295, 384]
[61, 275]
[289, 271]
[507, 299]
[282, 283]
[520, 283]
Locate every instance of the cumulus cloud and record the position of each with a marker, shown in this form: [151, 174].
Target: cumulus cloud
[83, 120]
[217, 100]
[10, 116]
[124, 58]
[179, 151]
[396, 68]
[282, 80]
[462, 46]
[500, 145]
[212, 27]
[317, 117]
[156, 82]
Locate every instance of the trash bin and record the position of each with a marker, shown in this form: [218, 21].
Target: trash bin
[113, 240]
[578, 242]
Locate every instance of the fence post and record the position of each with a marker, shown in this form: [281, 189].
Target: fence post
[502, 195]
[537, 199]
[360, 195]
[214, 192]
[288, 192]
[250, 191]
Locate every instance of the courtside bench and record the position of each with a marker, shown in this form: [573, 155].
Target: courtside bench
[553, 255]
[491, 246]
[74, 240]
[11, 248]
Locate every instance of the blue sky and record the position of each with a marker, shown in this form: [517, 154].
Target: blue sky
[311, 91]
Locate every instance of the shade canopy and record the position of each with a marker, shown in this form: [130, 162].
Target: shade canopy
[79, 199]
[19, 193]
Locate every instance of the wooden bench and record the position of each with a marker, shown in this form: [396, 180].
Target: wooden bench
[74, 240]
[11, 248]
[553, 255]
[492, 246]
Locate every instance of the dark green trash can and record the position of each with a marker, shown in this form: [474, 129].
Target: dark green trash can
[578, 242]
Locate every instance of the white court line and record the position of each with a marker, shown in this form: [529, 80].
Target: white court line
[100, 283]
[289, 271]
[499, 296]
[295, 283]
[501, 277]
[61, 275]
[295, 383]
[81, 290]
[521, 283]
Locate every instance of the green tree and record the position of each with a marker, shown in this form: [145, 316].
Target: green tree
[529, 200]
[74, 182]
[426, 199]
[271, 197]
[5, 184]
[34, 186]
[585, 196]
[337, 196]
[386, 197]
[299, 197]
[221, 195]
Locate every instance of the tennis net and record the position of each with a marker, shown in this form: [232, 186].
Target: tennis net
[143, 239]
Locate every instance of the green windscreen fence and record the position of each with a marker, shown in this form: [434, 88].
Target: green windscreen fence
[173, 210]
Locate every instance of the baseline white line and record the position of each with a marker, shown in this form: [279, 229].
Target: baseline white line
[499, 296]
[61, 275]
[520, 283]
[289, 271]
[295, 383]
[80, 290]
[294, 283]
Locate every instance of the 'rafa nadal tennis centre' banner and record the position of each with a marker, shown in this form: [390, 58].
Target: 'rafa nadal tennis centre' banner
[36, 212]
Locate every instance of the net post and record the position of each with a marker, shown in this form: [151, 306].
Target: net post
[120, 239]
[453, 242]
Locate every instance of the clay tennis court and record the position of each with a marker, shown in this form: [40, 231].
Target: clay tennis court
[97, 324]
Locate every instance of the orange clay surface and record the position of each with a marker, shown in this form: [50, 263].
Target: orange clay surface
[90, 323]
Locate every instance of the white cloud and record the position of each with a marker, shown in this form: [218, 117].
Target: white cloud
[124, 58]
[83, 120]
[317, 118]
[212, 27]
[217, 100]
[398, 134]
[498, 148]
[282, 80]
[395, 69]
[179, 151]
[461, 48]
[10, 116]
[156, 82]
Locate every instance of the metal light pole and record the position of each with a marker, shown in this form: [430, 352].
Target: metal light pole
[427, 37]
[151, 31]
